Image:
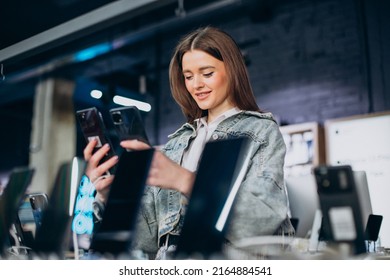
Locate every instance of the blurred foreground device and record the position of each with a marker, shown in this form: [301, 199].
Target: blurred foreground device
[115, 233]
[304, 201]
[38, 203]
[341, 207]
[10, 201]
[221, 169]
[53, 235]
[373, 227]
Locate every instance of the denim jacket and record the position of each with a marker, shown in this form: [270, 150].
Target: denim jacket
[260, 206]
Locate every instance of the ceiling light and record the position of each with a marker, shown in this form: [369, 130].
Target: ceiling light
[96, 94]
[124, 101]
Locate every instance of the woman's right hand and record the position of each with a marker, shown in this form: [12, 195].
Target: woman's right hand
[164, 172]
[97, 173]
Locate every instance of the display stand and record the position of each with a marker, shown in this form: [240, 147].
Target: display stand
[305, 147]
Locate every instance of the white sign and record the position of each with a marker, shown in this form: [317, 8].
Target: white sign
[364, 143]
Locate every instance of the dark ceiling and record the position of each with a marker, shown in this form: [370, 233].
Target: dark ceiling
[24, 21]
[123, 23]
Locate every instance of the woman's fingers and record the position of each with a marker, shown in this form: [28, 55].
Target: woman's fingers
[97, 171]
[102, 187]
[88, 150]
[166, 173]
[105, 166]
[134, 145]
[94, 168]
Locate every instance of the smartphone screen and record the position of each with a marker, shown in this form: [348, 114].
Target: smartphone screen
[93, 128]
[128, 124]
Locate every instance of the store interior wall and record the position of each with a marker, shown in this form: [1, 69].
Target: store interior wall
[307, 60]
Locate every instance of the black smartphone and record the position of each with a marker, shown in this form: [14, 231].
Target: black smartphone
[38, 202]
[373, 227]
[93, 128]
[128, 124]
[340, 206]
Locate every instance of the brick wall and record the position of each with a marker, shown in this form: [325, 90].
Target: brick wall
[309, 62]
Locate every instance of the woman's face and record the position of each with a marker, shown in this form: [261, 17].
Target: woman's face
[207, 82]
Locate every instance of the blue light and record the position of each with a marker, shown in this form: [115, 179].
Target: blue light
[92, 52]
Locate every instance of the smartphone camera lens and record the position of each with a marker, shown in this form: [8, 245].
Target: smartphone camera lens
[116, 117]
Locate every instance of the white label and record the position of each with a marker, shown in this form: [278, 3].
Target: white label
[343, 226]
[98, 144]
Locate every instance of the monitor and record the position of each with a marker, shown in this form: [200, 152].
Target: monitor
[303, 202]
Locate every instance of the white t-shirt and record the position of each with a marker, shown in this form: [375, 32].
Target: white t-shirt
[203, 133]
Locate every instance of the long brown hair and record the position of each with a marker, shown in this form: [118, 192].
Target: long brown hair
[221, 46]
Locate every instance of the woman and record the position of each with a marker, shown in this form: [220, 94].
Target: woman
[209, 81]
